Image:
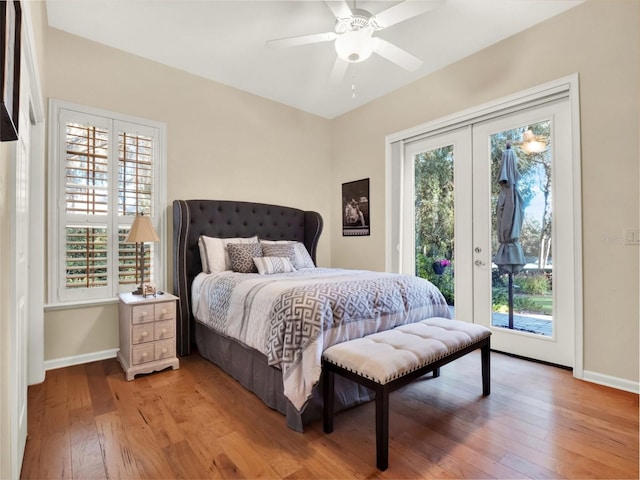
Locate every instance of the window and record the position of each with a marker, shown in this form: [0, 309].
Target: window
[104, 168]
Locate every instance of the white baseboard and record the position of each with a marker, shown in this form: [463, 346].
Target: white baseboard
[593, 377]
[80, 359]
[609, 381]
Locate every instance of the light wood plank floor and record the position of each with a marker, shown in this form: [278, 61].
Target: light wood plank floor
[88, 422]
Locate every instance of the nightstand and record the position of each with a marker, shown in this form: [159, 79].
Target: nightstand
[147, 333]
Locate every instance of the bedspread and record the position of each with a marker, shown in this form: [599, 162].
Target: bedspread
[291, 318]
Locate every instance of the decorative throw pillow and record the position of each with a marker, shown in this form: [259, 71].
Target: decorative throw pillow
[270, 265]
[300, 258]
[213, 252]
[303, 259]
[280, 250]
[276, 242]
[242, 255]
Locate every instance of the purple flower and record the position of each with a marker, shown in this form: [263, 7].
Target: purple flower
[444, 263]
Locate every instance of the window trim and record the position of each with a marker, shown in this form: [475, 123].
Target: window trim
[56, 206]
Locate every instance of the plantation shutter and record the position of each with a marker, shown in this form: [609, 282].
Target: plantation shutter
[135, 195]
[86, 193]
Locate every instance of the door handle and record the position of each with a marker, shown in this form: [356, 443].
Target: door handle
[479, 263]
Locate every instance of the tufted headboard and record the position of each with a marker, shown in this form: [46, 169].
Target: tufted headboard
[223, 219]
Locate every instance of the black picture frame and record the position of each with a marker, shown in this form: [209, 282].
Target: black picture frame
[356, 208]
[11, 21]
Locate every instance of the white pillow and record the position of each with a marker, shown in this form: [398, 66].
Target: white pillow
[269, 265]
[301, 259]
[214, 254]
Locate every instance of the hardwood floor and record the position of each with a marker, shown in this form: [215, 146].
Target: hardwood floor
[88, 422]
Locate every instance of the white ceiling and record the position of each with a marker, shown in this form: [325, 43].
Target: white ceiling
[225, 41]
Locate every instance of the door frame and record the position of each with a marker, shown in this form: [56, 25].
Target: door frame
[565, 87]
[11, 389]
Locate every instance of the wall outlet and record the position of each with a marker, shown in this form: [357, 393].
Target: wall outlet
[631, 236]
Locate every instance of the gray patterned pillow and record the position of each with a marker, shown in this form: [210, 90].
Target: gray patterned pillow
[280, 250]
[298, 255]
[242, 255]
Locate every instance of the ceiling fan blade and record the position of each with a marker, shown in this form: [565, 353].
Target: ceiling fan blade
[339, 8]
[397, 55]
[302, 40]
[404, 11]
[338, 71]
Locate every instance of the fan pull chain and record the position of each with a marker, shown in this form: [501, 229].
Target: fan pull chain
[353, 81]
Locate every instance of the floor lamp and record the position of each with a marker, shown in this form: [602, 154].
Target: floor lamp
[142, 231]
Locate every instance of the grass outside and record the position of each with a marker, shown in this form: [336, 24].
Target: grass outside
[544, 301]
[535, 304]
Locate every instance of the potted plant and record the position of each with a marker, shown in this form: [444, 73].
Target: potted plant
[439, 266]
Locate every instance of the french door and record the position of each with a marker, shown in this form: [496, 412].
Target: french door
[451, 191]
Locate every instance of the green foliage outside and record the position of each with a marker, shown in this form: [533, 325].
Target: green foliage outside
[531, 293]
[444, 281]
[434, 217]
[533, 284]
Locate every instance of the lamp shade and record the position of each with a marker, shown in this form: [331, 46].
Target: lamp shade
[142, 231]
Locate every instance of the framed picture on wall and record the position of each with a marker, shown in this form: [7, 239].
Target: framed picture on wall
[11, 21]
[355, 208]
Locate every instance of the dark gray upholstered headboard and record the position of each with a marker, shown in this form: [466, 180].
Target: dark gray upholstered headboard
[224, 219]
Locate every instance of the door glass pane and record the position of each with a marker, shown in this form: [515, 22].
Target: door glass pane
[522, 269]
[434, 219]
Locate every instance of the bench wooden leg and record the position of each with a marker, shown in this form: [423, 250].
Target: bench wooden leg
[382, 427]
[328, 400]
[486, 368]
[436, 372]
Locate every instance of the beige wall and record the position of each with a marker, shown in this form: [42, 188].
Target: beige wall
[222, 143]
[600, 41]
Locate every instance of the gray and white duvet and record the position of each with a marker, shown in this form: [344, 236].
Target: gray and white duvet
[292, 318]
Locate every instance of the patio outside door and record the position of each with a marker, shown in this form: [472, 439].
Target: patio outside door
[450, 191]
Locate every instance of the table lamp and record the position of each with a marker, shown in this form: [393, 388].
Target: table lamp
[141, 231]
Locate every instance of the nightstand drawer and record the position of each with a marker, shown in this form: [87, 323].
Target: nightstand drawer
[142, 333]
[142, 313]
[142, 353]
[165, 311]
[164, 329]
[165, 349]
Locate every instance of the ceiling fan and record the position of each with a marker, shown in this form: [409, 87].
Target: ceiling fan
[353, 35]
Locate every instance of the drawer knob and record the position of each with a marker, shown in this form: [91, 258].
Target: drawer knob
[144, 334]
[164, 350]
[164, 311]
[144, 355]
[144, 314]
[164, 330]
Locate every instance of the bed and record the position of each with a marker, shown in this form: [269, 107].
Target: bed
[287, 382]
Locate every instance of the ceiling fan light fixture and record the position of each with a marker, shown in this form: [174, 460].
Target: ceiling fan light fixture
[355, 45]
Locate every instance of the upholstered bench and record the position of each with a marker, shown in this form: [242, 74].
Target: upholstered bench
[386, 361]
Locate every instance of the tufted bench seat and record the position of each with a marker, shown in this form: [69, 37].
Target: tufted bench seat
[386, 361]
